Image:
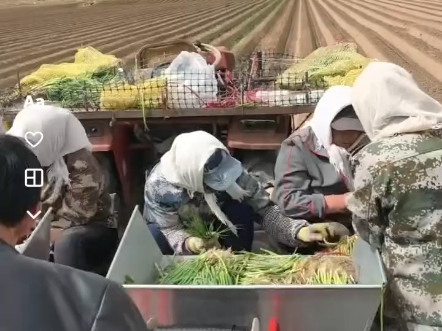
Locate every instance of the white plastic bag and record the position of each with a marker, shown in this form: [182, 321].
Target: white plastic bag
[191, 82]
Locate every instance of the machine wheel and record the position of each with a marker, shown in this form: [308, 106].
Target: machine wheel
[107, 164]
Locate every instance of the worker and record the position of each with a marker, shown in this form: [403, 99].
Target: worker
[2, 126]
[38, 295]
[75, 187]
[396, 204]
[198, 171]
[312, 170]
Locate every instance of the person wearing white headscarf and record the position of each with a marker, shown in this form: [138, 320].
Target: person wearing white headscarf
[198, 170]
[312, 171]
[2, 126]
[74, 186]
[397, 202]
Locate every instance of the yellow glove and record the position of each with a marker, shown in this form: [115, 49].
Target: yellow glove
[198, 245]
[330, 232]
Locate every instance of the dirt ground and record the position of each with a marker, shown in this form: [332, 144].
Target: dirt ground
[37, 3]
[407, 32]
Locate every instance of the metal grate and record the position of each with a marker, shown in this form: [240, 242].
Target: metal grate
[258, 80]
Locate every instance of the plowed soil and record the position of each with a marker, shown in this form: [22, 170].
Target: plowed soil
[406, 32]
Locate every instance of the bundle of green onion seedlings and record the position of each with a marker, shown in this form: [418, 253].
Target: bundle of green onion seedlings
[344, 247]
[222, 267]
[207, 231]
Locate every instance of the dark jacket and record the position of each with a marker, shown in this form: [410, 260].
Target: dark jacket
[304, 175]
[42, 296]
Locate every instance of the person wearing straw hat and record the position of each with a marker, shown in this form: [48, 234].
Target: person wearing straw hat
[75, 187]
[397, 201]
[312, 171]
[198, 170]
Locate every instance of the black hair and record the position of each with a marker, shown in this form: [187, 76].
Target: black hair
[347, 112]
[15, 198]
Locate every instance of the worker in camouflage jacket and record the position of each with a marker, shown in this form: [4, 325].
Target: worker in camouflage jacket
[75, 188]
[198, 175]
[397, 202]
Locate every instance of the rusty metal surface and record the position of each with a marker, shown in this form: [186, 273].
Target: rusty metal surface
[169, 113]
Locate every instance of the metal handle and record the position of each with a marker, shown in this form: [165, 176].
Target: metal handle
[152, 324]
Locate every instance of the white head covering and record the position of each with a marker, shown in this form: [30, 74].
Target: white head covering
[183, 166]
[388, 101]
[2, 127]
[334, 100]
[62, 134]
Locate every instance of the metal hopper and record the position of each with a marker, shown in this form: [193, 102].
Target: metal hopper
[293, 307]
[38, 244]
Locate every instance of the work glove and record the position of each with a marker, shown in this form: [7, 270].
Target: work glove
[198, 245]
[326, 232]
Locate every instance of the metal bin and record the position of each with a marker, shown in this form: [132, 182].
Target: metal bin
[293, 307]
[38, 244]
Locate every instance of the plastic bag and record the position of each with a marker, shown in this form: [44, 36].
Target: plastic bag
[191, 82]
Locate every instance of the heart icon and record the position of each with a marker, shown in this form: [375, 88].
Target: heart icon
[34, 138]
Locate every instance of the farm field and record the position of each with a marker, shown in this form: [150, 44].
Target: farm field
[406, 32]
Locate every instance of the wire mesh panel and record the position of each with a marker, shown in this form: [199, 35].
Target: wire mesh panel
[269, 63]
[263, 79]
[268, 81]
[153, 60]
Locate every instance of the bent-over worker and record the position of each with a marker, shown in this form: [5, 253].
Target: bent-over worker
[312, 171]
[75, 187]
[42, 296]
[397, 203]
[198, 169]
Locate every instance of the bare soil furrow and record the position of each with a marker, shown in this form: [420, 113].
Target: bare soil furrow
[291, 40]
[102, 34]
[237, 31]
[406, 32]
[424, 69]
[318, 39]
[339, 34]
[431, 13]
[276, 39]
[407, 19]
[323, 30]
[365, 45]
[90, 25]
[257, 30]
[413, 36]
[430, 7]
[404, 11]
[127, 46]
[306, 40]
[430, 2]
[61, 20]
[153, 25]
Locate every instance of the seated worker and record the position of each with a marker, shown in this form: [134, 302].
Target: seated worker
[199, 170]
[39, 295]
[397, 205]
[312, 171]
[75, 188]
